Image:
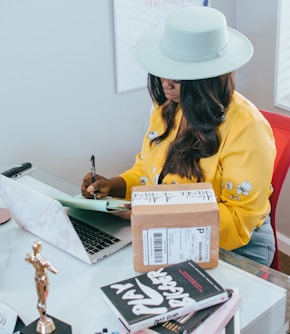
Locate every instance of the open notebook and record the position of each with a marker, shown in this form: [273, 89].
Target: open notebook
[75, 231]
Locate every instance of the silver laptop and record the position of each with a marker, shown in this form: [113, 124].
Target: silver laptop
[87, 235]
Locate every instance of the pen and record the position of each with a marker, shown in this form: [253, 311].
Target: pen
[93, 170]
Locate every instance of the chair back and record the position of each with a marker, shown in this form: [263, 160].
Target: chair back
[281, 129]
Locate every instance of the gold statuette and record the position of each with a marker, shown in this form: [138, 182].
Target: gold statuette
[45, 325]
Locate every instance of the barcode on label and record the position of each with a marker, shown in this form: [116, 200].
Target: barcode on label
[157, 247]
[200, 251]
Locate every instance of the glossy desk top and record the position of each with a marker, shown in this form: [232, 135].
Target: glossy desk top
[74, 292]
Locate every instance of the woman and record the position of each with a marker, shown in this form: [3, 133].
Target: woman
[202, 130]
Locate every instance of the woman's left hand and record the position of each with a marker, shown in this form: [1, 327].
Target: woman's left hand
[122, 214]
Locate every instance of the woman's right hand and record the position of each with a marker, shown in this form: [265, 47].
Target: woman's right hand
[101, 187]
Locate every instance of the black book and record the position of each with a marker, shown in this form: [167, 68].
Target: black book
[185, 324]
[158, 296]
[190, 322]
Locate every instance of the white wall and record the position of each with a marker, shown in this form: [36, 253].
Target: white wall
[58, 101]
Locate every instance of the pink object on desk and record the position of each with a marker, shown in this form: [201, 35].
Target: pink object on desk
[4, 215]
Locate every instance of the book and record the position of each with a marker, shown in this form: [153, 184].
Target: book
[224, 319]
[233, 326]
[212, 319]
[106, 204]
[151, 298]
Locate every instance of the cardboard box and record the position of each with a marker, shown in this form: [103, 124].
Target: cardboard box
[173, 223]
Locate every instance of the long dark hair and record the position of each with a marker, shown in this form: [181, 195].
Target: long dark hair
[203, 104]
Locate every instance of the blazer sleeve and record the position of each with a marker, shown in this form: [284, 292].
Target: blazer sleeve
[247, 168]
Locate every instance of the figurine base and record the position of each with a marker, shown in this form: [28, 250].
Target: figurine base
[60, 327]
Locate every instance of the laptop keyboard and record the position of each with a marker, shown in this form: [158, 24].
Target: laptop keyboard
[93, 239]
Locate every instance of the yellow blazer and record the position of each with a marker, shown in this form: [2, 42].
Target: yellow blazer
[240, 172]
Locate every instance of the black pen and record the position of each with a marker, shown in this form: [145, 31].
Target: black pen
[93, 170]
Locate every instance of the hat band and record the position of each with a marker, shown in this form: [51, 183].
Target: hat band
[191, 58]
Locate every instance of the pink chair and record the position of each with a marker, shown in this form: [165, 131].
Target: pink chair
[281, 130]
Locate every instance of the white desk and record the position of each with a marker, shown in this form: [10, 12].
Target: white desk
[74, 292]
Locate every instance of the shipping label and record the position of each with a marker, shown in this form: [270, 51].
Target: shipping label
[173, 245]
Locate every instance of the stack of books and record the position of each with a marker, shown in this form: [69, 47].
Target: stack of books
[181, 299]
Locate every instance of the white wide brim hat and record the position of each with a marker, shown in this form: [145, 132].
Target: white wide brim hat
[195, 43]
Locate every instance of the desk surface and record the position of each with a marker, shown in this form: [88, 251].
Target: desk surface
[74, 292]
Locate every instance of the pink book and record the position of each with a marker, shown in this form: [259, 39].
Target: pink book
[224, 320]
